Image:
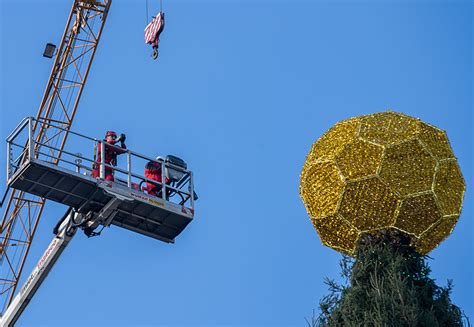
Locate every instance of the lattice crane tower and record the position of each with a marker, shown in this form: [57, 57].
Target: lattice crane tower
[382, 171]
[60, 100]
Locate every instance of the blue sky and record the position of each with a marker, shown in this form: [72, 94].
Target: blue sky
[241, 91]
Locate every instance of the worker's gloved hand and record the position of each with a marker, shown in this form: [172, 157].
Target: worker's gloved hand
[122, 137]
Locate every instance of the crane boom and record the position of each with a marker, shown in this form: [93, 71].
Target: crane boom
[59, 104]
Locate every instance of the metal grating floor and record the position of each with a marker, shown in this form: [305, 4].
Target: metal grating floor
[86, 194]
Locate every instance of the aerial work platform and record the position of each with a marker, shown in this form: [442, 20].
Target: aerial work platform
[67, 179]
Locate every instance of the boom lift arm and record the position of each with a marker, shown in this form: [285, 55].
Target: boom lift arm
[65, 232]
[94, 202]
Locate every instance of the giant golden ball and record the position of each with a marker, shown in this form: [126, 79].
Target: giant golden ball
[382, 171]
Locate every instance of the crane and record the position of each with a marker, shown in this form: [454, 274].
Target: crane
[59, 104]
[41, 168]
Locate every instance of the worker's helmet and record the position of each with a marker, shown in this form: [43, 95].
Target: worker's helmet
[111, 133]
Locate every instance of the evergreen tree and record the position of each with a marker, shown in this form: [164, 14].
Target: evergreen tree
[387, 284]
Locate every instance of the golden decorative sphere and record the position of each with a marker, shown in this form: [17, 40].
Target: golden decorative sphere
[382, 171]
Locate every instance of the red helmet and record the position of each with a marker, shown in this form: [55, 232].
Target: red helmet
[111, 133]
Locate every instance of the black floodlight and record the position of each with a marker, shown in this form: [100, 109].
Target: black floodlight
[49, 50]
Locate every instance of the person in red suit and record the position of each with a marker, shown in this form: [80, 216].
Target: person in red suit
[153, 172]
[111, 154]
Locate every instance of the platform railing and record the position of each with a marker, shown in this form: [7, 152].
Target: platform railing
[22, 149]
[14, 160]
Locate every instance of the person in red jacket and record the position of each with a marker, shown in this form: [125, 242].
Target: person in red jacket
[153, 172]
[111, 154]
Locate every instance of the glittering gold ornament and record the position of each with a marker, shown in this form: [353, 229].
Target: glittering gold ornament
[382, 171]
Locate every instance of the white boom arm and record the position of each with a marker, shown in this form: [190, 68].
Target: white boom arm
[65, 233]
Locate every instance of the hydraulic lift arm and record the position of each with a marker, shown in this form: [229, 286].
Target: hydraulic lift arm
[65, 232]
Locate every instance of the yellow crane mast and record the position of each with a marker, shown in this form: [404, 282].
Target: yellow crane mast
[68, 77]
